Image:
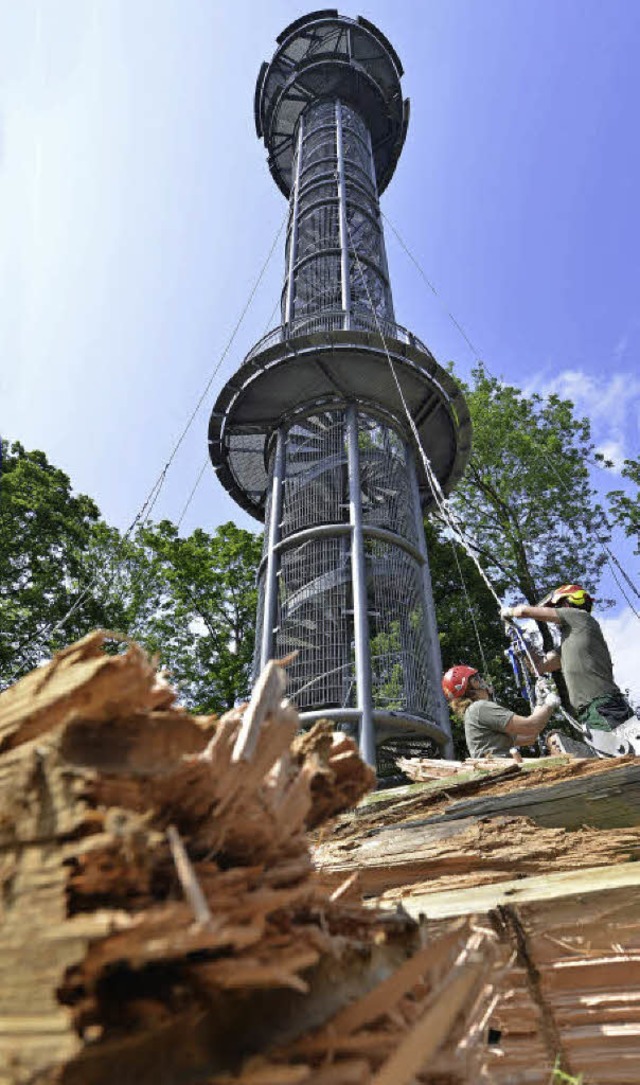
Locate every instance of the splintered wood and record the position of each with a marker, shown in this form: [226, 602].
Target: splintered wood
[166, 920]
[161, 920]
[420, 769]
[547, 856]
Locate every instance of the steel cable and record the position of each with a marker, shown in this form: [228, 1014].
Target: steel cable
[609, 555]
[441, 503]
[143, 515]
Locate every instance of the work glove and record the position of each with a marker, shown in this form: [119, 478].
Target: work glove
[506, 613]
[544, 691]
[552, 701]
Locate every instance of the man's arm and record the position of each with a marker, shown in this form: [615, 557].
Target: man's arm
[544, 664]
[525, 729]
[539, 614]
[551, 661]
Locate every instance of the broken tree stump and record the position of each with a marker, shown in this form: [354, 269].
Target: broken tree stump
[160, 918]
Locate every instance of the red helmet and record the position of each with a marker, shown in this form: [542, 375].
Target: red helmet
[574, 595]
[456, 680]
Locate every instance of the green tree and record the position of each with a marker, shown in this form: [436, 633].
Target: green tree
[470, 630]
[625, 507]
[386, 662]
[189, 600]
[45, 533]
[203, 622]
[526, 500]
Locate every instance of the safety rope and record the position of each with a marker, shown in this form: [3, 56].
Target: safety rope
[193, 492]
[609, 555]
[436, 489]
[438, 494]
[433, 290]
[470, 608]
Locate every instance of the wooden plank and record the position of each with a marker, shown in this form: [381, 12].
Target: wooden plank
[607, 800]
[570, 886]
[467, 851]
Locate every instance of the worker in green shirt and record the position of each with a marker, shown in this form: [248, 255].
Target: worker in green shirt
[490, 729]
[582, 656]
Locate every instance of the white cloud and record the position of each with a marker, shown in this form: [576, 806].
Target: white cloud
[614, 451]
[607, 399]
[622, 633]
[611, 401]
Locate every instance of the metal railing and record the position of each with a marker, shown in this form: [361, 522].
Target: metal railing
[335, 320]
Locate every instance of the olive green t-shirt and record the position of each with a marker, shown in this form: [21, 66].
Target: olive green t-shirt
[584, 656]
[484, 729]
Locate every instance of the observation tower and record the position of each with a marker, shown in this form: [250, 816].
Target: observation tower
[312, 435]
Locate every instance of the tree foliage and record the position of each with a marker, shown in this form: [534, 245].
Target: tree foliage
[202, 623]
[469, 627]
[625, 507]
[526, 499]
[526, 503]
[46, 532]
[191, 601]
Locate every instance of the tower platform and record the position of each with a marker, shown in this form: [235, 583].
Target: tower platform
[320, 365]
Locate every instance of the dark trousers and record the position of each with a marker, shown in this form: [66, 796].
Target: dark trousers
[607, 712]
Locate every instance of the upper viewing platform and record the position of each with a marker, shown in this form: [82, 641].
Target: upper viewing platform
[325, 55]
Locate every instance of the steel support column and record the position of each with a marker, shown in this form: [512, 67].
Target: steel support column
[367, 739]
[345, 277]
[435, 659]
[271, 576]
[293, 241]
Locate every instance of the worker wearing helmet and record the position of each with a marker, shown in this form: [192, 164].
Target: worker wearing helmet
[490, 729]
[583, 656]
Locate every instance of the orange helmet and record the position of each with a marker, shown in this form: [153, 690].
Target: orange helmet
[572, 594]
[456, 680]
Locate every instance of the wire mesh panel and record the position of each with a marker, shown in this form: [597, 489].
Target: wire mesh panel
[316, 266]
[315, 483]
[315, 621]
[385, 487]
[248, 467]
[318, 230]
[315, 591]
[267, 517]
[397, 627]
[255, 669]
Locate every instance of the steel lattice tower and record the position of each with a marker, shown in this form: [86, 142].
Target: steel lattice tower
[311, 434]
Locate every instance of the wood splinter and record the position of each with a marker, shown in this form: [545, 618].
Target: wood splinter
[265, 701]
[188, 880]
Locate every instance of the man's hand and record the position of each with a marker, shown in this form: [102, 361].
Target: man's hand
[507, 613]
[546, 696]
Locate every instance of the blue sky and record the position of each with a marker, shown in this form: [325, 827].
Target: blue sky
[136, 209]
